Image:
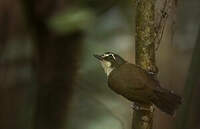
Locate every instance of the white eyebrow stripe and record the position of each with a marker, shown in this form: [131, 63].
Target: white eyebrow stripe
[105, 55]
[113, 56]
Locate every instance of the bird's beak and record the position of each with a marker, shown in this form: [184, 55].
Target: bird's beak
[98, 57]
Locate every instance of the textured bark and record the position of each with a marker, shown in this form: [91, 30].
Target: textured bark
[151, 19]
[145, 35]
[145, 55]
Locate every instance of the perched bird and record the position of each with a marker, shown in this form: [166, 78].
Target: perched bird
[136, 84]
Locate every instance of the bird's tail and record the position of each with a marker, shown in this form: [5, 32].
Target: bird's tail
[167, 101]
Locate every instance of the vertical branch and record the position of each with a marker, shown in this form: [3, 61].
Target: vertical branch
[145, 35]
[149, 32]
[145, 55]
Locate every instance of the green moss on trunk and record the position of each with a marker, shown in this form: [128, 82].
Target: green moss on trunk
[145, 54]
[145, 35]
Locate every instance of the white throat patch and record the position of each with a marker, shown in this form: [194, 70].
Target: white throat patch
[107, 67]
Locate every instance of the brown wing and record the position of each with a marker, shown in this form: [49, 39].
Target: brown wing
[132, 82]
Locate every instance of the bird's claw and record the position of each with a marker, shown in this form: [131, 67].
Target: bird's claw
[137, 108]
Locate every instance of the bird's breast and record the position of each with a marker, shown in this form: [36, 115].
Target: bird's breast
[117, 83]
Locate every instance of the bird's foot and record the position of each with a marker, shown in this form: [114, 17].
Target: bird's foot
[137, 107]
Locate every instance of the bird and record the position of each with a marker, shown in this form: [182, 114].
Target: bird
[136, 84]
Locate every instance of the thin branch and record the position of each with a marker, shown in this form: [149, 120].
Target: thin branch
[164, 14]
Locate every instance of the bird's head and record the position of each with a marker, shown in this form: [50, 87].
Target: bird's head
[110, 61]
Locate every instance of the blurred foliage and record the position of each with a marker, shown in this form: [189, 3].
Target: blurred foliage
[71, 20]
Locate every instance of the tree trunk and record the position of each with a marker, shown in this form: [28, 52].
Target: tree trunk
[145, 55]
[151, 18]
[56, 65]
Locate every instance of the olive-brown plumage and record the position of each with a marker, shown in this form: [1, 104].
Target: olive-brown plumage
[140, 85]
[136, 84]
